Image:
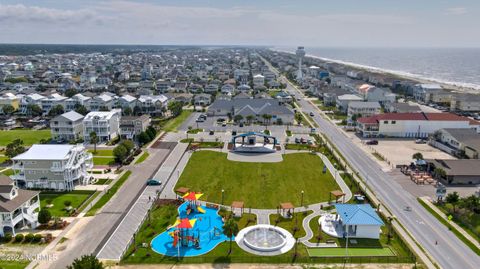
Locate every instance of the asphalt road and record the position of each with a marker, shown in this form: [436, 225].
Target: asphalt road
[450, 252]
[92, 235]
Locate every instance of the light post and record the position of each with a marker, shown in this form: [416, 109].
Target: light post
[223, 194]
[301, 201]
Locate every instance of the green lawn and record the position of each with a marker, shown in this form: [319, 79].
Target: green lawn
[106, 197]
[194, 131]
[171, 125]
[8, 172]
[16, 264]
[259, 185]
[58, 198]
[102, 152]
[357, 252]
[3, 158]
[103, 160]
[142, 158]
[103, 181]
[293, 225]
[29, 137]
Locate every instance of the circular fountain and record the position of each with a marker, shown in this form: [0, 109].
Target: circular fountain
[265, 240]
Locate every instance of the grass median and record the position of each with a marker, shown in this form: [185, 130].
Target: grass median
[457, 233]
[142, 158]
[111, 192]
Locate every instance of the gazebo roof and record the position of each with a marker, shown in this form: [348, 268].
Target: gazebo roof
[252, 133]
[286, 205]
[182, 190]
[337, 193]
[237, 204]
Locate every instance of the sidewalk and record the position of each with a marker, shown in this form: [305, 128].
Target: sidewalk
[121, 238]
[428, 202]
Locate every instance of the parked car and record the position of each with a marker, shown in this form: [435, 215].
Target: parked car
[224, 124]
[153, 182]
[297, 140]
[241, 124]
[303, 140]
[211, 132]
[220, 120]
[234, 132]
[372, 142]
[311, 114]
[420, 141]
[199, 120]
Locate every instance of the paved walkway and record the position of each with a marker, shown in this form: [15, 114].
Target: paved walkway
[119, 241]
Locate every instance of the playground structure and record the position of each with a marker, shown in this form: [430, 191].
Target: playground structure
[197, 230]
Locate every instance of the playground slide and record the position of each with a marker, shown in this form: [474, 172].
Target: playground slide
[200, 209]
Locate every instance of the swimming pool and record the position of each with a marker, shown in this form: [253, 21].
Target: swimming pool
[208, 229]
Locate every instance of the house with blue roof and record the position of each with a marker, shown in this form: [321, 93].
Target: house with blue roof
[359, 221]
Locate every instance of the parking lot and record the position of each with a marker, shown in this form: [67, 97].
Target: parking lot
[400, 151]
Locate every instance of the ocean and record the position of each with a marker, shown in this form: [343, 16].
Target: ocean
[454, 66]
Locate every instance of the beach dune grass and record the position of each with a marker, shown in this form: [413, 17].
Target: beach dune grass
[259, 185]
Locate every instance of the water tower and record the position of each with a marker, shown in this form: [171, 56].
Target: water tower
[300, 52]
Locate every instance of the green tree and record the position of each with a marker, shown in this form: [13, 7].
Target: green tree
[94, 141]
[70, 92]
[14, 148]
[137, 110]
[120, 153]
[34, 110]
[175, 107]
[81, 109]
[67, 203]
[298, 118]
[56, 110]
[86, 262]
[8, 109]
[230, 229]
[417, 156]
[128, 144]
[250, 119]
[238, 118]
[44, 216]
[143, 138]
[127, 111]
[453, 198]
[439, 173]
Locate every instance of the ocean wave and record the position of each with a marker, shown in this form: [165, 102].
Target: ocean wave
[458, 84]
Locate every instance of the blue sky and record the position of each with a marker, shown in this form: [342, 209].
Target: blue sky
[345, 23]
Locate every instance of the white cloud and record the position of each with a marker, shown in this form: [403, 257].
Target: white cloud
[21, 13]
[456, 11]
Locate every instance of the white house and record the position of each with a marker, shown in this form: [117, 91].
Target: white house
[67, 127]
[57, 167]
[258, 80]
[152, 104]
[343, 101]
[105, 124]
[411, 124]
[364, 109]
[17, 207]
[353, 221]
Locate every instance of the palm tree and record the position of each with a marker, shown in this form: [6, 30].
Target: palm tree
[94, 141]
[230, 229]
[417, 156]
[453, 198]
[250, 118]
[439, 173]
